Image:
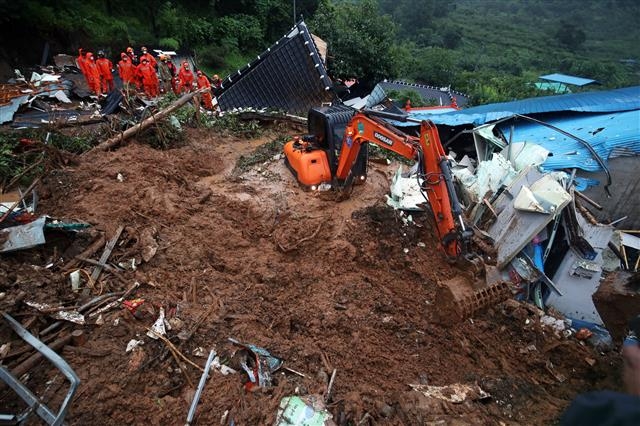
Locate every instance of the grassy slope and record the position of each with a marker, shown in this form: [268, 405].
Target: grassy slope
[517, 36]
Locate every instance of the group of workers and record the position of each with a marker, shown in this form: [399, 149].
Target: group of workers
[144, 72]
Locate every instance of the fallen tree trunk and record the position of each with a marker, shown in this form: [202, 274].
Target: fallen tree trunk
[116, 140]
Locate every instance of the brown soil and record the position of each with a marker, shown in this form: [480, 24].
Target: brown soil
[321, 284]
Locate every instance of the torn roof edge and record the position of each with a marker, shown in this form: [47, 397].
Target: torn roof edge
[300, 29]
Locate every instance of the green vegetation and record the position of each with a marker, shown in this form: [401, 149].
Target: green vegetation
[264, 152]
[490, 49]
[25, 154]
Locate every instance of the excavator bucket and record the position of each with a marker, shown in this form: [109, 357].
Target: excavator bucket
[462, 296]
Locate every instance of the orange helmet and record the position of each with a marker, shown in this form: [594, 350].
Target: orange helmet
[129, 49]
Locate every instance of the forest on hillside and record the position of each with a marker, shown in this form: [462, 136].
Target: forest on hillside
[489, 49]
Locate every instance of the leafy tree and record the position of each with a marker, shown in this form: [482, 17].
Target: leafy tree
[360, 39]
[434, 66]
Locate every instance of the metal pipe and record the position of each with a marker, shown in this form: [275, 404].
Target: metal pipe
[196, 396]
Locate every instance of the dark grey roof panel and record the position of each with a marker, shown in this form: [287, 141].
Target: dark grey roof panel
[288, 76]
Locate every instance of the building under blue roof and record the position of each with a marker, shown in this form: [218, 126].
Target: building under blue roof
[609, 134]
[568, 79]
[617, 100]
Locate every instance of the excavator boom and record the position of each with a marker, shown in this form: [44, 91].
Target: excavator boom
[435, 172]
[478, 285]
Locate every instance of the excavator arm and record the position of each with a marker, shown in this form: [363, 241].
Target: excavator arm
[479, 284]
[434, 169]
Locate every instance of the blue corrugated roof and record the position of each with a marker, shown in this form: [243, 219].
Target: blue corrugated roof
[625, 99]
[568, 79]
[610, 135]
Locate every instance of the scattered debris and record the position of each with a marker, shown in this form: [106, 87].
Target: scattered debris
[258, 363]
[196, 396]
[61, 313]
[306, 410]
[158, 327]
[456, 392]
[133, 343]
[33, 402]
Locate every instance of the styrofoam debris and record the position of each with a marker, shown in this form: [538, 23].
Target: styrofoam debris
[133, 343]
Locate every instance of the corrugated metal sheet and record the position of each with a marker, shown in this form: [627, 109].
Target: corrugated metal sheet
[609, 134]
[289, 76]
[568, 79]
[625, 99]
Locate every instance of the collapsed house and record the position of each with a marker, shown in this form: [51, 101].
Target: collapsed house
[547, 179]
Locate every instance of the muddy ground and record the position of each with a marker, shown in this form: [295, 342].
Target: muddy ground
[249, 255]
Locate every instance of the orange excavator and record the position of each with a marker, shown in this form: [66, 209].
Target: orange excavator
[315, 161]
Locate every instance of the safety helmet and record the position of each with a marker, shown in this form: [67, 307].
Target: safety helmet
[129, 49]
[215, 76]
[123, 55]
[199, 72]
[144, 49]
[100, 53]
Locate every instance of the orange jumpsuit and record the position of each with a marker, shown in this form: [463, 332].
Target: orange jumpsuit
[81, 64]
[127, 70]
[105, 66]
[92, 74]
[147, 74]
[150, 58]
[203, 81]
[186, 78]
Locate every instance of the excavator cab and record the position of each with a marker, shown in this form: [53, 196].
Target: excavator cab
[313, 158]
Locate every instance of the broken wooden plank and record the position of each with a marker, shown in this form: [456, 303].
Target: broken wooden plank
[105, 255]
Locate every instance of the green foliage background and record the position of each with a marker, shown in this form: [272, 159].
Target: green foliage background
[490, 49]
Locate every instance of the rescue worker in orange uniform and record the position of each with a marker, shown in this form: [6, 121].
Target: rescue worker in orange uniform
[149, 57]
[105, 66]
[126, 70]
[186, 78]
[93, 73]
[203, 82]
[147, 74]
[133, 57]
[80, 60]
